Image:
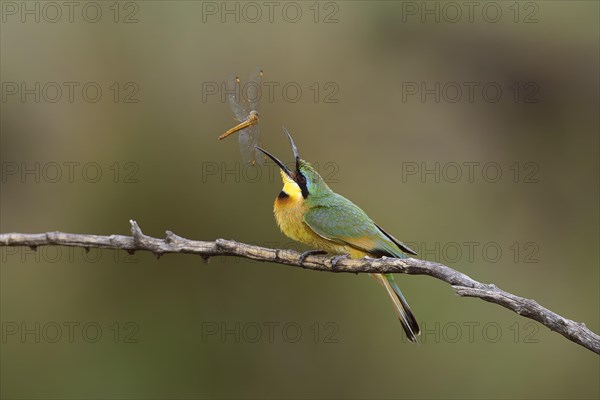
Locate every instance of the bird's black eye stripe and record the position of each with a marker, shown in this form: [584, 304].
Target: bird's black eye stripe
[283, 195]
[302, 183]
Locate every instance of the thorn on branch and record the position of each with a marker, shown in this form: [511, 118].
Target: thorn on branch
[221, 244]
[53, 237]
[169, 236]
[136, 232]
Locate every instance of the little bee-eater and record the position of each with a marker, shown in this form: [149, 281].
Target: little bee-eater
[308, 211]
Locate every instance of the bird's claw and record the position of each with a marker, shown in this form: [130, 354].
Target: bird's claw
[310, 253]
[336, 259]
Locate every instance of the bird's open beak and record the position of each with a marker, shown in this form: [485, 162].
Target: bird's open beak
[281, 165]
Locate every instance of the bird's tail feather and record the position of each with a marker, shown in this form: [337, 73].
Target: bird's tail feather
[405, 315]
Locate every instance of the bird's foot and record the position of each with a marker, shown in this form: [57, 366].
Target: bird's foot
[336, 259]
[310, 253]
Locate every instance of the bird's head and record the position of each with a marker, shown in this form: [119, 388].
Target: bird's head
[303, 180]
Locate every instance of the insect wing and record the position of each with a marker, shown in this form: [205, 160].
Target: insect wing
[253, 89]
[244, 139]
[254, 140]
[237, 102]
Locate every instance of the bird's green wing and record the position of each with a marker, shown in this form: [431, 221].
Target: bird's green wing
[346, 223]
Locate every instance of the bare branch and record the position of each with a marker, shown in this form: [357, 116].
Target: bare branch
[462, 284]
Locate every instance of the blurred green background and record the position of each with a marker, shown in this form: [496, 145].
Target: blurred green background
[179, 328]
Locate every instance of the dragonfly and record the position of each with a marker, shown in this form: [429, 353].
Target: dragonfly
[244, 103]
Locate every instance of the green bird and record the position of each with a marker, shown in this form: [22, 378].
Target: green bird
[308, 211]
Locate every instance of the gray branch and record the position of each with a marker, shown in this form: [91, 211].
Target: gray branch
[461, 283]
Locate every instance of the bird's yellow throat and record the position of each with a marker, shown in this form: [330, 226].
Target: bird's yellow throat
[291, 188]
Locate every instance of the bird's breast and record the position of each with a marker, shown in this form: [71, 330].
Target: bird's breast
[289, 212]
